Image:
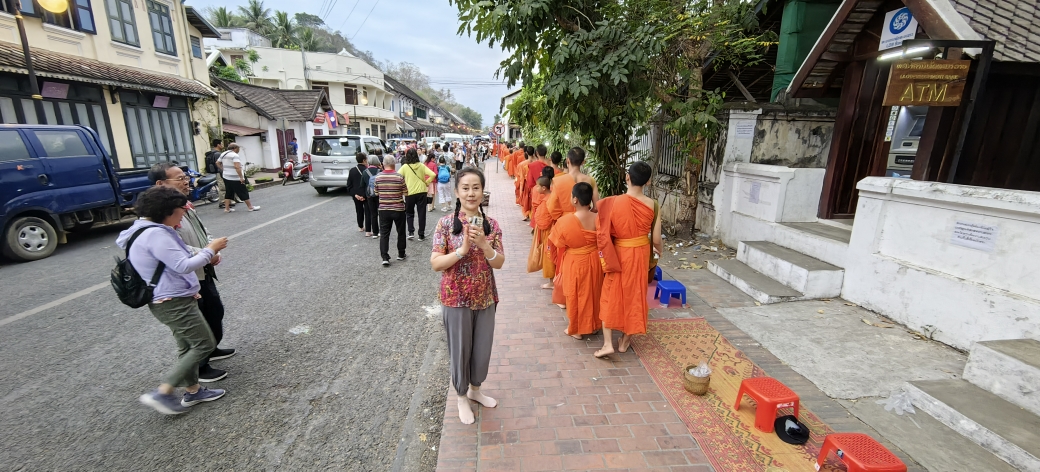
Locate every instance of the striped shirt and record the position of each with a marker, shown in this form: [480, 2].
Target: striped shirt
[391, 190]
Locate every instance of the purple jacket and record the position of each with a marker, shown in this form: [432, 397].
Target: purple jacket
[161, 243]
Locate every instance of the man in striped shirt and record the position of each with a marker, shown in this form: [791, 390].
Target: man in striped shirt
[391, 189]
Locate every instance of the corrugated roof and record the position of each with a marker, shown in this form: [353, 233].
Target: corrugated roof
[64, 66]
[277, 104]
[241, 130]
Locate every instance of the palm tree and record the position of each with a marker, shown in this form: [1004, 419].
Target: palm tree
[307, 40]
[255, 17]
[283, 30]
[222, 18]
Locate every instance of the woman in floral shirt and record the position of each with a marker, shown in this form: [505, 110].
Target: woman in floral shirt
[466, 255]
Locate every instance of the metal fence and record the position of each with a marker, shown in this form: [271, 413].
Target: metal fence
[671, 160]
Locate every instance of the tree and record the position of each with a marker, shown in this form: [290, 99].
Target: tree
[222, 18]
[589, 67]
[307, 40]
[308, 20]
[283, 31]
[472, 117]
[256, 17]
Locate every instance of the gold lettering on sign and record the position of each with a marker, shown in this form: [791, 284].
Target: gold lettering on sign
[926, 82]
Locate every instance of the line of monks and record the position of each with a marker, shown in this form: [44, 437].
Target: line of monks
[597, 254]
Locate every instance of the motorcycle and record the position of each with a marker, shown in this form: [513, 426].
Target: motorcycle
[301, 171]
[202, 187]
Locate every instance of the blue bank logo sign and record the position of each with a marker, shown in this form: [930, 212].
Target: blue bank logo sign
[900, 25]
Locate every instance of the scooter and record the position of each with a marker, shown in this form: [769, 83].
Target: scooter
[202, 186]
[297, 170]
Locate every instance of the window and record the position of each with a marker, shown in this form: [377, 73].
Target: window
[62, 143]
[196, 47]
[350, 94]
[392, 105]
[121, 21]
[84, 16]
[158, 134]
[320, 86]
[12, 148]
[335, 146]
[162, 28]
[420, 112]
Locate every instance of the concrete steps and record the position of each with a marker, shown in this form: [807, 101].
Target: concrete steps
[1005, 429]
[1009, 369]
[809, 276]
[771, 273]
[752, 282]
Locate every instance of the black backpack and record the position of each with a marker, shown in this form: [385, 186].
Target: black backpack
[128, 284]
[211, 162]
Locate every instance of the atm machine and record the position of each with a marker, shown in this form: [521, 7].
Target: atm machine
[905, 127]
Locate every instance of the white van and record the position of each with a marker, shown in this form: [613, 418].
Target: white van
[452, 137]
[429, 141]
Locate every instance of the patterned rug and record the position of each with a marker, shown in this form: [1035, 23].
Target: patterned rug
[727, 437]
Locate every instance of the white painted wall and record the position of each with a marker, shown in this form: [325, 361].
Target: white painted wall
[901, 261]
[769, 194]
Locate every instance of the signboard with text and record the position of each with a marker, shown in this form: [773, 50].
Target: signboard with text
[900, 25]
[937, 83]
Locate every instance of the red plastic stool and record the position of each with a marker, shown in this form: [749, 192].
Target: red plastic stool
[771, 395]
[859, 453]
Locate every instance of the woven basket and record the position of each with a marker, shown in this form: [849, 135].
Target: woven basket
[693, 384]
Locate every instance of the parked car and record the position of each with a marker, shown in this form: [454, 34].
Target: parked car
[55, 179]
[332, 157]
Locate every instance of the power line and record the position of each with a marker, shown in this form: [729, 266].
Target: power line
[366, 20]
[329, 11]
[348, 15]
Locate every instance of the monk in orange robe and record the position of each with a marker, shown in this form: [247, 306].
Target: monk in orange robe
[627, 227]
[559, 202]
[580, 274]
[541, 223]
[523, 197]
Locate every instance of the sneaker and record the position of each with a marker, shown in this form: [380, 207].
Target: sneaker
[219, 354]
[411, 237]
[402, 257]
[208, 374]
[422, 238]
[203, 395]
[386, 263]
[255, 208]
[165, 404]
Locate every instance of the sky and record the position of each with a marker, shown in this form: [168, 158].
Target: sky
[430, 41]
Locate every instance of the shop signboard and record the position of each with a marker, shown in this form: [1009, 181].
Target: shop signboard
[936, 83]
[900, 25]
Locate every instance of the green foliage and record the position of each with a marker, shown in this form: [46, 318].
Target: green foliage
[308, 20]
[599, 69]
[256, 17]
[307, 40]
[227, 73]
[222, 17]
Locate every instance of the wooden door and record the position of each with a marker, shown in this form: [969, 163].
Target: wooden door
[859, 149]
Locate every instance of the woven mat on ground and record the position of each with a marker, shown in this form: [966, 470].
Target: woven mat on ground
[727, 437]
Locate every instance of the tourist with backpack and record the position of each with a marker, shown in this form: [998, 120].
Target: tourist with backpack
[444, 197]
[371, 199]
[154, 250]
[417, 177]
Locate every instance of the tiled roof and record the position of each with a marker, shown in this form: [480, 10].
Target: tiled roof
[1014, 25]
[64, 66]
[276, 104]
[402, 89]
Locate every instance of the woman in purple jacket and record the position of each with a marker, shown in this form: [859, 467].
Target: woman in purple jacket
[152, 240]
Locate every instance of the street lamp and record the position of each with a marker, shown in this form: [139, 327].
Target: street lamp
[15, 8]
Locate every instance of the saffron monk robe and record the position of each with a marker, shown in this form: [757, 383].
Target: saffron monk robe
[538, 162]
[540, 258]
[559, 202]
[523, 198]
[624, 221]
[580, 278]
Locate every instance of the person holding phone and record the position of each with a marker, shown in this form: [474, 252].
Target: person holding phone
[467, 248]
[152, 240]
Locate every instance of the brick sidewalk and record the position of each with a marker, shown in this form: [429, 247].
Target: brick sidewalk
[559, 407]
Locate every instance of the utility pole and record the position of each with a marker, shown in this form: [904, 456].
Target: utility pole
[15, 7]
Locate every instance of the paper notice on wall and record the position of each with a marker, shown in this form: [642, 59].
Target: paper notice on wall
[756, 192]
[745, 129]
[974, 235]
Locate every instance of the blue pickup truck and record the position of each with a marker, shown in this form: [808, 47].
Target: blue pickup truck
[56, 179]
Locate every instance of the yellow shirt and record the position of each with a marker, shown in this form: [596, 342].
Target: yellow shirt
[417, 176]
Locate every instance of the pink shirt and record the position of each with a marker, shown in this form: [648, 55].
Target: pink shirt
[470, 283]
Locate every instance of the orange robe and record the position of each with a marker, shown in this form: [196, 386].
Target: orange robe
[560, 198]
[580, 275]
[627, 222]
[538, 258]
[520, 189]
[509, 163]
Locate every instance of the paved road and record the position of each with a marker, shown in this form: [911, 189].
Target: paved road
[360, 386]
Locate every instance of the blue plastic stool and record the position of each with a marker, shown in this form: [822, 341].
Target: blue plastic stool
[668, 289]
[658, 275]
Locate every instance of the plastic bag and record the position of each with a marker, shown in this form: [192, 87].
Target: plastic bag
[701, 371]
[898, 403]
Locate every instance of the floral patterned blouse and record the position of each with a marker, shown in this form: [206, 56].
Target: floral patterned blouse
[470, 283]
